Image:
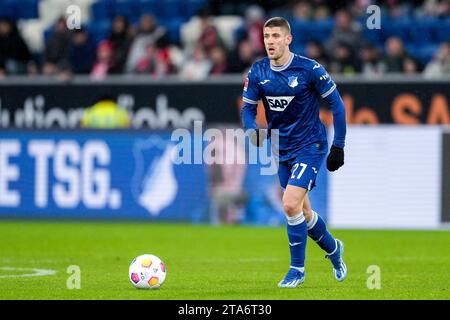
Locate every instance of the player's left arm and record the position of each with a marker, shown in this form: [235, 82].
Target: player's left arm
[326, 87]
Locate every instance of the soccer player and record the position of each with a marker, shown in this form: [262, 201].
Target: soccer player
[290, 87]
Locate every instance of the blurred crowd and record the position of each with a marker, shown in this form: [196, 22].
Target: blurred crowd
[147, 47]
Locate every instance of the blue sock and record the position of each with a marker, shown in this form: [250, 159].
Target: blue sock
[317, 230]
[297, 234]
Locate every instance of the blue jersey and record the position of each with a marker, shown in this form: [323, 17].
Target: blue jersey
[291, 97]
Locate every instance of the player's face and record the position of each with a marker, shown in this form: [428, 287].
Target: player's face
[276, 41]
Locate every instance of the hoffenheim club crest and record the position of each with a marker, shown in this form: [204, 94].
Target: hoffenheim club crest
[292, 82]
[154, 185]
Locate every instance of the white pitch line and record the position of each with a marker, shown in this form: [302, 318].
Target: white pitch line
[37, 272]
[36, 261]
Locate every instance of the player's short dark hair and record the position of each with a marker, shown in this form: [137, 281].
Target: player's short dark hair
[278, 22]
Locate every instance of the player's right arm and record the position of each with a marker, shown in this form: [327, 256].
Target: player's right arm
[250, 97]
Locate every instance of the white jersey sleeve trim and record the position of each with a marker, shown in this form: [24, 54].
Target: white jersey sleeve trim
[247, 100]
[326, 94]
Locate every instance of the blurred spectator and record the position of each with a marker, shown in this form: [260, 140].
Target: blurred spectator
[371, 61]
[105, 59]
[435, 8]
[218, 57]
[345, 32]
[346, 51]
[440, 65]
[209, 36]
[321, 12]
[302, 11]
[147, 64]
[121, 37]
[105, 114]
[314, 50]
[252, 28]
[197, 67]
[343, 60]
[395, 55]
[149, 32]
[82, 52]
[57, 49]
[398, 9]
[333, 5]
[155, 62]
[359, 7]
[410, 66]
[15, 57]
[242, 58]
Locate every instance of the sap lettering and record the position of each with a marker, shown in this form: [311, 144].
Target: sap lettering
[279, 103]
[79, 172]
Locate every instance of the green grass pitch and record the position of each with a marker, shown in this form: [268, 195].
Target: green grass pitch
[209, 262]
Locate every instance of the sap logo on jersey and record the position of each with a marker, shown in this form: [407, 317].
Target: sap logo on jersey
[279, 103]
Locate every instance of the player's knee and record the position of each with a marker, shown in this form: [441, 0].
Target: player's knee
[291, 208]
[307, 211]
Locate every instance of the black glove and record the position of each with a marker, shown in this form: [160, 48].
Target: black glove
[335, 159]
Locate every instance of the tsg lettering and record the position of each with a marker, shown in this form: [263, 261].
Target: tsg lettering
[80, 174]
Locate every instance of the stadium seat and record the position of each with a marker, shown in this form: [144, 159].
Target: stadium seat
[27, 9]
[226, 23]
[126, 8]
[50, 10]
[172, 9]
[374, 36]
[396, 28]
[102, 10]
[299, 48]
[47, 33]
[191, 7]
[301, 31]
[150, 7]
[443, 30]
[422, 52]
[321, 30]
[99, 30]
[412, 48]
[425, 53]
[421, 31]
[173, 27]
[8, 9]
[433, 26]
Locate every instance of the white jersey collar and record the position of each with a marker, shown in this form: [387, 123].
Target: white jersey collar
[283, 67]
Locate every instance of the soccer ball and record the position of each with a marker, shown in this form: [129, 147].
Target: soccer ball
[147, 272]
